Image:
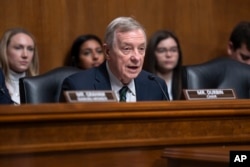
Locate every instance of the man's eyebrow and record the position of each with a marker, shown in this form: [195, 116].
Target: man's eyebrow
[126, 43]
[142, 44]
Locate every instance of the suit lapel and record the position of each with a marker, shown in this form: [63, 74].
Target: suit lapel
[140, 88]
[102, 81]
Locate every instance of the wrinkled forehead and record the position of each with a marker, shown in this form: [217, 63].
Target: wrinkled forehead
[135, 35]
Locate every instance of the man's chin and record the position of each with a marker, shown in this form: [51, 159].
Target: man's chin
[133, 75]
[129, 77]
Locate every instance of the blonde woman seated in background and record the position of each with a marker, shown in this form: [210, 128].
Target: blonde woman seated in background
[164, 58]
[18, 58]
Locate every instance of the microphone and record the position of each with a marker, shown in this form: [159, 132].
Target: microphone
[7, 96]
[152, 77]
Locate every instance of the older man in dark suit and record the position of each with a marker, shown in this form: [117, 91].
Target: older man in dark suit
[125, 44]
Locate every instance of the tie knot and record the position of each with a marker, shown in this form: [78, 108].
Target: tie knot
[123, 91]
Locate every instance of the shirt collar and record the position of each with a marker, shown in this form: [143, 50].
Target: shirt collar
[16, 76]
[116, 84]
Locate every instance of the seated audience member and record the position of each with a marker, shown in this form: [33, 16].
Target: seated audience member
[164, 58]
[4, 93]
[86, 52]
[18, 58]
[239, 43]
[124, 47]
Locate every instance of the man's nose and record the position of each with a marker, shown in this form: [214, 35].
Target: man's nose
[136, 55]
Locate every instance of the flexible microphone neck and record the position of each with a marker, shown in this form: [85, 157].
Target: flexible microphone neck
[152, 77]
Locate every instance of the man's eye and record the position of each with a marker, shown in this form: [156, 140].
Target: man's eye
[126, 48]
[142, 48]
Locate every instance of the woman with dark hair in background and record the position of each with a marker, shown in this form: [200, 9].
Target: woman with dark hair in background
[164, 59]
[86, 52]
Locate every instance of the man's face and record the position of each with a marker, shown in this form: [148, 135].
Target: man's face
[126, 57]
[241, 54]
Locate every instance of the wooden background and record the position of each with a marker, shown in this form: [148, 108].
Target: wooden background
[203, 26]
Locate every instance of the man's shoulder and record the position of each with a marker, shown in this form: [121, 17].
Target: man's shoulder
[144, 74]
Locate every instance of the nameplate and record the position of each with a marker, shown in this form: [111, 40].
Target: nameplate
[209, 94]
[90, 96]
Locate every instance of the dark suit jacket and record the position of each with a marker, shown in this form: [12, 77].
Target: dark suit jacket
[147, 89]
[4, 93]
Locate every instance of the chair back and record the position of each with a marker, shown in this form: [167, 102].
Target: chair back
[223, 72]
[45, 88]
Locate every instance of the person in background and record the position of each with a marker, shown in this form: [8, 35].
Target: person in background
[239, 43]
[86, 52]
[164, 59]
[4, 93]
[124, 48]
[18, 58]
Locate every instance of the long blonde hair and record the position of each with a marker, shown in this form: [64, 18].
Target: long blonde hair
[4, 63]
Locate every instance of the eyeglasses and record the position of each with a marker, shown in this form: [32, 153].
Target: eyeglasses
[165, 50]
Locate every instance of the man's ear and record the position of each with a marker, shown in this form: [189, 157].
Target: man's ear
[106, 50]
[230, 48]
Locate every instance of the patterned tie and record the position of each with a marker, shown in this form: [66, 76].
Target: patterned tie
[123, 92]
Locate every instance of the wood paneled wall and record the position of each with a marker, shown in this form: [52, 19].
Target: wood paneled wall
[203, 27]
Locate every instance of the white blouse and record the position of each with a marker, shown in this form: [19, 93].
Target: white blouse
[169, 84]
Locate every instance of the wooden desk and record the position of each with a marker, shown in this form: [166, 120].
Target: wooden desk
[116, 134]
[203, 156]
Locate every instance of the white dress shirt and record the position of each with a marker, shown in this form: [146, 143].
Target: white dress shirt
[169, 84]
[116, 85]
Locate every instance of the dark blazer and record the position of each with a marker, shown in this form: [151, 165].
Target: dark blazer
[4, 93]
[148, 87]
